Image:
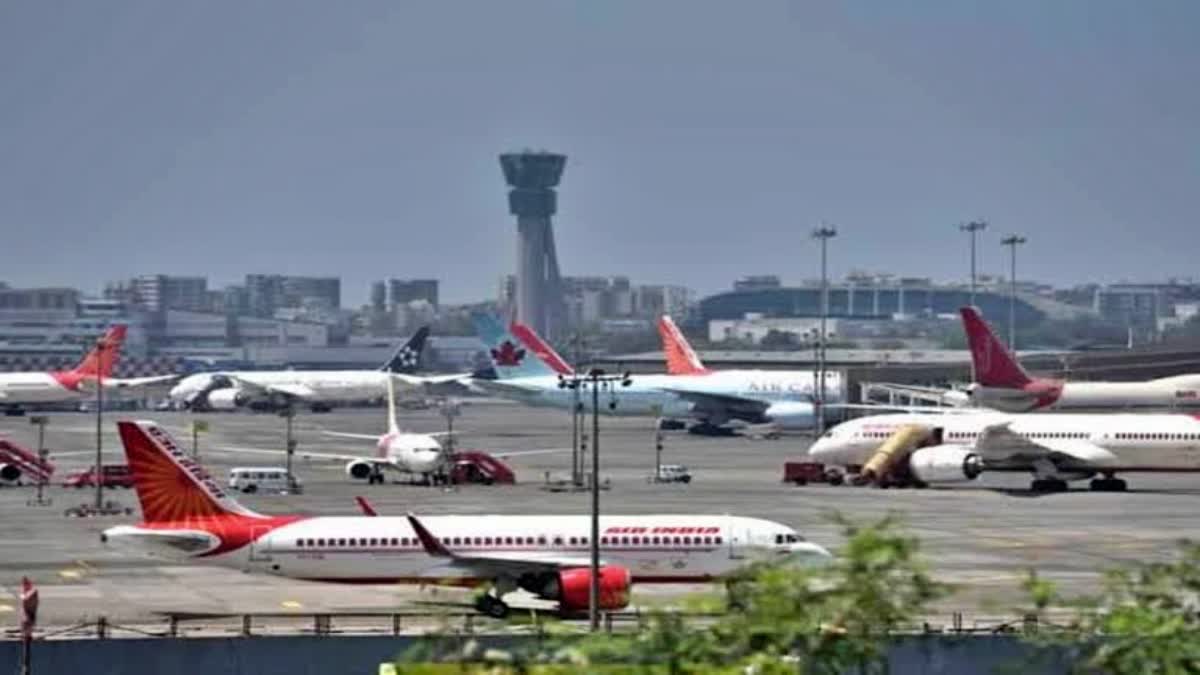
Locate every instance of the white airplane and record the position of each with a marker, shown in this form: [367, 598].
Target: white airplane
[229, 390]
[755, 397]
[187, 516]
[1055, 448]
[57, 386]
[404, 452]
[1002, 384]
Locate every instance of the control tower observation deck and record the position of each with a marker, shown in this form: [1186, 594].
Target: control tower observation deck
[532, 177]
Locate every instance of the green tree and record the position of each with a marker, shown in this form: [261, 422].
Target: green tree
[780, 618]
[1146, 618]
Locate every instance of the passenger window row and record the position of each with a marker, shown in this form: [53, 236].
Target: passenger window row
[1158, 437]
[413, 542]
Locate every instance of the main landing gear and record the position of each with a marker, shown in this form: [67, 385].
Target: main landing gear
[376, 476]
[1108, 484]
[491, 603]
[1045, 485]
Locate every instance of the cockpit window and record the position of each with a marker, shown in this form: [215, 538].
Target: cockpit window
[827, 434]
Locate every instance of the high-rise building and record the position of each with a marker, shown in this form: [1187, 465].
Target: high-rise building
[532, 177]
[266, 293]
[160, 292]
[403, 291]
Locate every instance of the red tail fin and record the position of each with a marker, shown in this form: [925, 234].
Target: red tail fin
[537, 345]
[994, 364]
[103, 357]
[169, 485]
[681, 359]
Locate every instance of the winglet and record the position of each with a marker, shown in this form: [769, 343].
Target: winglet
[365, 507]
[681, 358]
[431, 543]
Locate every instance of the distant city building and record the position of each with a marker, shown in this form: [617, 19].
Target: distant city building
[379, 297]
[1133, 305]
[160, 292]
[403, 291]
[908, 298]
[756, 282]
[267, 293]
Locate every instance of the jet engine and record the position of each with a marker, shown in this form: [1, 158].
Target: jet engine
[9, 473]
[939, 464]
[791, 414]
[359, 469]
[226, 399]
[571, 588]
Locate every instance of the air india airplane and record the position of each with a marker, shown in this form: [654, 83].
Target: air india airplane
[1002, 384]
[187, 516]
[69, 385]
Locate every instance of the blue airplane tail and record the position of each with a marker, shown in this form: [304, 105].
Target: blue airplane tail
[509, 356]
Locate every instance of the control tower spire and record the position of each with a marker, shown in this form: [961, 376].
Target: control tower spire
[532, 177]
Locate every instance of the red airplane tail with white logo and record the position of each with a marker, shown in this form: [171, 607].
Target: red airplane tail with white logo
[534, 343]
[994, 364]
[681, 358]
[169, 484]
[101, 360]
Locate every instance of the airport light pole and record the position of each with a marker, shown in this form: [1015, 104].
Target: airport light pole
[824, 233]
[40, 421]
[595, 378]
[101, 347]
[973, 228]
[1012, 241]
[289, 414]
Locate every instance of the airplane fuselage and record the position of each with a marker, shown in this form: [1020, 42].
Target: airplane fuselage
[1168, 393]
[1116, 441]
[655, 549]
[51, 387]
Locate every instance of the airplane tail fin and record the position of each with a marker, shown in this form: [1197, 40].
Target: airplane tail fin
[994, 364]
[408, 356]
[681, 358]
[170, 485]
[101, 360]
[393, 424]
[509, 358]
[545, 352]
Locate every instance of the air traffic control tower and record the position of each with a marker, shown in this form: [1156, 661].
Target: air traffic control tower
[532, 199]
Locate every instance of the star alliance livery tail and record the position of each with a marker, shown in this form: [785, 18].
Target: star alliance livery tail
[995, 365]
[408, 356]
[509, 356]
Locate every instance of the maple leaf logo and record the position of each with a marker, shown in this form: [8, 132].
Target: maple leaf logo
[508, 354]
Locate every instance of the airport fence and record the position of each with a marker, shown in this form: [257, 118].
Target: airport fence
[532, 624]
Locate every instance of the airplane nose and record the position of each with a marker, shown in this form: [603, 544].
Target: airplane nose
[808, 552]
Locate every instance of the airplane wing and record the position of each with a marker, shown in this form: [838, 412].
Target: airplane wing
[936, 395]
[494, 563]
[999, 442]
[123, 382]
[324, 456]
[347, 434]
[722, 404]
[419, 380]
[296, 391]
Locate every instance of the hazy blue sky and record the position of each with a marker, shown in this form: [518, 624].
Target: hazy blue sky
[705, 139]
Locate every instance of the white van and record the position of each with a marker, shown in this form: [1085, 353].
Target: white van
[262, 479]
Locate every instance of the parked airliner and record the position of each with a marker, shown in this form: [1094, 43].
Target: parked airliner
[1002, 384]
[1055, 448]
[228, 390]
[75, 384]
[187, 516]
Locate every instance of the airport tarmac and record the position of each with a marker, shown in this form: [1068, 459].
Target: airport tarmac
[982, 537]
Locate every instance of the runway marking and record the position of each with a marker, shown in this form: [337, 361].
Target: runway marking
[69, 574]
[5, 609]
[84, 564]
[290, 604]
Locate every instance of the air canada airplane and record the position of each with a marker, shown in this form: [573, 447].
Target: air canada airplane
[1054, 448]
[1002, 384]
[69, 385]
[228, 390]
[187, 516]
[529, 371]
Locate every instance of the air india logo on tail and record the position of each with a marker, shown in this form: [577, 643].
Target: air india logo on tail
[508, 354]
[170, 485]
[681, 358]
